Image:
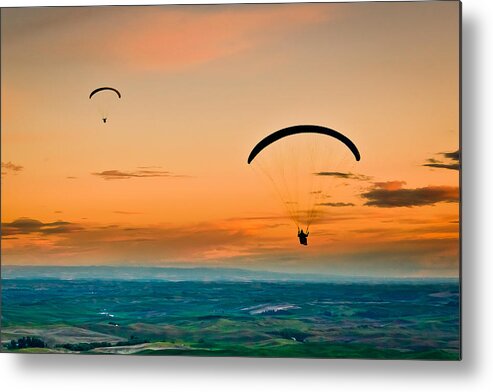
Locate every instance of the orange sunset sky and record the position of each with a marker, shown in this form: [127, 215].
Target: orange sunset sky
[165, 181]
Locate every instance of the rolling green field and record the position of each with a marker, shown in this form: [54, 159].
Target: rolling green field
[384, 320]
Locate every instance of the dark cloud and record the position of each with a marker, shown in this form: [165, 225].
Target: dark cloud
[452, 161]
[454, 155]
[57, 229]
[141, 173]
[338, 204]
[451, 166]
[12, 167]
[349, 176]
[71, 178]
[391, 194]
[30, 226]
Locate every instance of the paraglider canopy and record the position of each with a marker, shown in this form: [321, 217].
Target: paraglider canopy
[307, 165]
[303, 129]
[103, 89]
[104, 98]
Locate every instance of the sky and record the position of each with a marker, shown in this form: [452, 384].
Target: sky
[165, 181]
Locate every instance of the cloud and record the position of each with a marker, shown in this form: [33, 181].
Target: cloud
[65, 242]
[71, 178]
[127, 212]
[454, 155]
[155, 244]
[348, 176]
[452, 161]
[451, 166]
[174, 39]
[162, 39]
[405, 257]
[9, 166]
[430, 248]
[338, 204]
[390, 185]
[141, 173]
[33, 226]
[391, 194]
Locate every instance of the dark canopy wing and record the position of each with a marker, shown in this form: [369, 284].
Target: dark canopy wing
[105, 88]
[303, 129]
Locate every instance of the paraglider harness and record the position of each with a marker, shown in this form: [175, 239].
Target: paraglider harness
[303, 237]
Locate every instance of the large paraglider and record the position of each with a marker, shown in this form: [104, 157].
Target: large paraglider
[304, 164]
[104, 98]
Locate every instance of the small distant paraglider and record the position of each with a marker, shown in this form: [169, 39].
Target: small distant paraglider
[104, 97]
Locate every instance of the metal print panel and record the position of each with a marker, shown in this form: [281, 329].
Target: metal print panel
[270, 180]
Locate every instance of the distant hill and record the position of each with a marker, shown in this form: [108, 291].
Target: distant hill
[173, 274]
